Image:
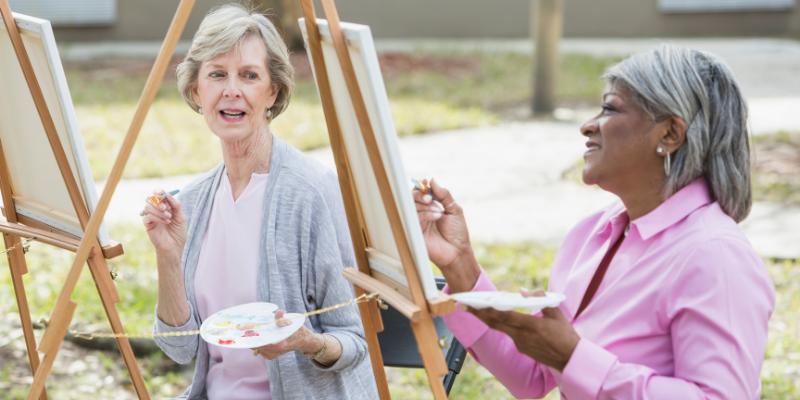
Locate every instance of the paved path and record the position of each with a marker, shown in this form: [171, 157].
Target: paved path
[509, 180]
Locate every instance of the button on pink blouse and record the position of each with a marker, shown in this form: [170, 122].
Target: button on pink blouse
[226, 277]
[681, 313]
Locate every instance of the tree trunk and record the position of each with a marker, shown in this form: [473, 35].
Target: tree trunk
[286, 13]
[546, 27]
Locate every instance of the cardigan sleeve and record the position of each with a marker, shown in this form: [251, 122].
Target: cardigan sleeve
[330, 252]
[180, 349]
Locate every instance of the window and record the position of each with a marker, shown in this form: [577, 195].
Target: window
[669, 6]
[69, 12]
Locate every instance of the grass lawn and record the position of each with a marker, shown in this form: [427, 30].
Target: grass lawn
[428, 93]
[776, 168]
[80, 371]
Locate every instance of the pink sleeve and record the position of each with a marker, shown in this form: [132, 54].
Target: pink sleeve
[494, 350]
[717, 309]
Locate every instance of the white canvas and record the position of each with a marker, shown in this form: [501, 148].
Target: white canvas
[39, 189]
[379, 232]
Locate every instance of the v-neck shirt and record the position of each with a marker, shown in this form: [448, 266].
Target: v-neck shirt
[226, 277]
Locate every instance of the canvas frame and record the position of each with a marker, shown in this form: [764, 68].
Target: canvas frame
[388, 244]
[40, 192]
[385, 256]
[88, 249]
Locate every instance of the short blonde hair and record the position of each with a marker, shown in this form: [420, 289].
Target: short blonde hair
[225, 28]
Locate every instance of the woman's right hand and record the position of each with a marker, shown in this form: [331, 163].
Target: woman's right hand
[166, 224]
[447, 238]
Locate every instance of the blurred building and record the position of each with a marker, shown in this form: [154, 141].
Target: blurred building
[97, 20]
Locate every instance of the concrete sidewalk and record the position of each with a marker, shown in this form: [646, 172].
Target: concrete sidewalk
[509, 181]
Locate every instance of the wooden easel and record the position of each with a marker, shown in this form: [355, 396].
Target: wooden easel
[88, 249]
[410, 301]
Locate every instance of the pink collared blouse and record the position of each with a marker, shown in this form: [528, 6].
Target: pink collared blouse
[681, 313]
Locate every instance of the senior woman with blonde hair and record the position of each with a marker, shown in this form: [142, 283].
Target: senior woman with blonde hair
[266, 225]
[665, 297]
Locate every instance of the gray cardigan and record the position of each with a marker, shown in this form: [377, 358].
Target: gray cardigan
[305, 244]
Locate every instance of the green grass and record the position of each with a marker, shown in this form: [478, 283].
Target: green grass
[780, 374]
[49, 266]
[175, 140]
[503, 80]
[470, 90]
[776, 168]
[509, 266]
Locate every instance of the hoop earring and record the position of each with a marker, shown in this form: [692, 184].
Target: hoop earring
[200, 110]
[667, 164]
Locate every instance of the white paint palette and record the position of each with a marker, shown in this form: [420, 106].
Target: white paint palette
[505, 301]
[248, 326]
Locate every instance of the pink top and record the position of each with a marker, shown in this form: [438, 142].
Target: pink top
[226, 277]
[682, 311]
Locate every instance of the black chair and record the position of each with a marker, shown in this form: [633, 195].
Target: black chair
[399, 347]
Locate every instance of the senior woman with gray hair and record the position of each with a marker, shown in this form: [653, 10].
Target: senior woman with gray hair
[665, 297]
[266, 225]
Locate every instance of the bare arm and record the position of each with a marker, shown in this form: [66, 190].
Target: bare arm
[173, 306]
[166, 227]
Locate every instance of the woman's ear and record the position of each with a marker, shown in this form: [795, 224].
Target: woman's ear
[276, 88]
[675, 134]
[195, 95]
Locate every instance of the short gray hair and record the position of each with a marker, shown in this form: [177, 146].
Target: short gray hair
[698, 87]
[225, 28]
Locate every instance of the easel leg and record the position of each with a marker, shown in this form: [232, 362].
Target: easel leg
[108, 295]
[18, 267]
[62, 316]
[371, 333]
[57, 327]
[432, 357]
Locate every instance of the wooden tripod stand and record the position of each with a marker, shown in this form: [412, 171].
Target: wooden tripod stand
[88, 250]
[407, 297]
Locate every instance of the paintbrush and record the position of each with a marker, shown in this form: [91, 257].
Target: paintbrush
[424, 188]
[158, 199]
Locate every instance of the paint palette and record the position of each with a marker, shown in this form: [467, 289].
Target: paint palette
[504, 301]
[247, 326]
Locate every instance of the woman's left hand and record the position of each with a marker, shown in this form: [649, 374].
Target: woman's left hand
[304, 341]
[549, 339]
